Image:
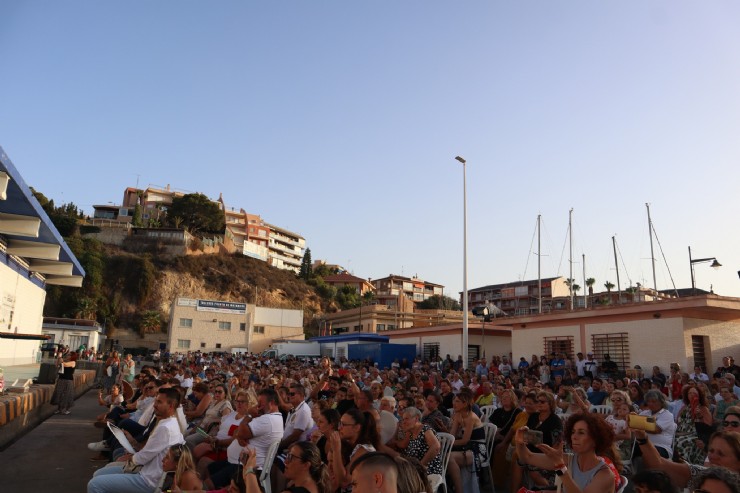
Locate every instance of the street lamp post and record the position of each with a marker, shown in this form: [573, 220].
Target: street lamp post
[715, 265]
[465, 268]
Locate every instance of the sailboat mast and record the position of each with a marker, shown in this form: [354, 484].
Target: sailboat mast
[616, 264]
[570, 258]
[652, 255]
[539, 267]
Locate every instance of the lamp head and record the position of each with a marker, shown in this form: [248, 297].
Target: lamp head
[460, 159]
[715, 264]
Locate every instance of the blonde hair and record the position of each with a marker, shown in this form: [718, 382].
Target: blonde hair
[183, 459]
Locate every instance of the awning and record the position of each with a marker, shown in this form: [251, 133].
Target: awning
[30, 233]
[26, 337]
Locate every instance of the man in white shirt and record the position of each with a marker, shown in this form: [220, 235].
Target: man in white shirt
[580, 365]
[456, 384]
[299, 421]
[112, 479]
[187, 381]
[698, 375]
[259, 433]
[590, 366]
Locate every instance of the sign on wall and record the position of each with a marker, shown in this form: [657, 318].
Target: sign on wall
[221, 307]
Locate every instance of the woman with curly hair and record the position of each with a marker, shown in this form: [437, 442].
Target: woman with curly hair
[595, 464]
[694, 422]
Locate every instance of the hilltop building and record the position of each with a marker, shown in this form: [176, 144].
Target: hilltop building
[33, 255]
[387, 289]
[245, 233]
[361, 285]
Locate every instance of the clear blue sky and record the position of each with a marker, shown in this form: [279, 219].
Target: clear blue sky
[341, 120]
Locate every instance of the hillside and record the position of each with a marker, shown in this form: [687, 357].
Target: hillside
[135, 291]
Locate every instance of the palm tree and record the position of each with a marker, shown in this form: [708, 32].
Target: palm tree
[609, 286]
[590, 283]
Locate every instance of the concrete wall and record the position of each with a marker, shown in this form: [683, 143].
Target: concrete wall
[652, 341]
[20, 413]
[21, 310]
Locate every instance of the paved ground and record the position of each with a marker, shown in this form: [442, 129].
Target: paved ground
[54, 456]
[21, 372]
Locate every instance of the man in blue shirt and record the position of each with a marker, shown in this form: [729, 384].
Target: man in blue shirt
[597, 396]
[557, 366]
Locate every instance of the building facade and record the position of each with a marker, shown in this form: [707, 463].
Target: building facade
[387, 289]
[33, 255]
[360, 285]
[74, 332]
[697, 330]
[210, 325]
[521, 297]
[285, 249]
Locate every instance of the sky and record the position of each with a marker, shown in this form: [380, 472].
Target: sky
[341, 121]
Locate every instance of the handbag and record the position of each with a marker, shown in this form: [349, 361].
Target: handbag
[131, 467]
[109, 371]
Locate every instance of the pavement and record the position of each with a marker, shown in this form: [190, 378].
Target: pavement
[21, 372]
[54, 455]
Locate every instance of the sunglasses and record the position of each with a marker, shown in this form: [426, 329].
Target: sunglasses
[291, 394]
[241, 401]
[149, 388]
[218, 391]
[733, 424]
[342, 424]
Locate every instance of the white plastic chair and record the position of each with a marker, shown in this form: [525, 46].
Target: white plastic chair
[486, 412]
[267, 467]
[564, 417]
[601, 409]
[624, 483]
[490, 430]
[436, 480]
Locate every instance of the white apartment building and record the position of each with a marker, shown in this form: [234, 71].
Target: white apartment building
[285, 249]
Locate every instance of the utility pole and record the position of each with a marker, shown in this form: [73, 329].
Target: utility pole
[570, 258]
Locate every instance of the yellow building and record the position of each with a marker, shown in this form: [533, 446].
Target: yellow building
[209, 325]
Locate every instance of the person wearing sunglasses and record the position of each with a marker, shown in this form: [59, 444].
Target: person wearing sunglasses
[732, 419]
[723, 451]
[214, 448]
[299, 422]
[304, 470]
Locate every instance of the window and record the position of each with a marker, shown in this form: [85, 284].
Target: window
[218, 345]
[357, 328]
[259, 329]
[202, 345]
[698, 343]
[559, 344]
[473, 352]
[186, 322]
[183, 343]
[615, 345]
[391, 327]
[431, 351]
[243, 327]
[224, 326]
[380, 327]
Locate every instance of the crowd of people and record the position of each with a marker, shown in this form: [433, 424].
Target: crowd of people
[205, 422]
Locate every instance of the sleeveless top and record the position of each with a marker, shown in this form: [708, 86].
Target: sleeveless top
[584, 478]
[418, 448]
[68, 373]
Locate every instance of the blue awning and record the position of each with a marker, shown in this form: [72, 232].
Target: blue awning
[29, 232]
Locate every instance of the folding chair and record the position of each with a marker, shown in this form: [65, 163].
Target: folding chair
[490, 430]
[264, 478]
[601, 410]
[436, 480]
[486, 412]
